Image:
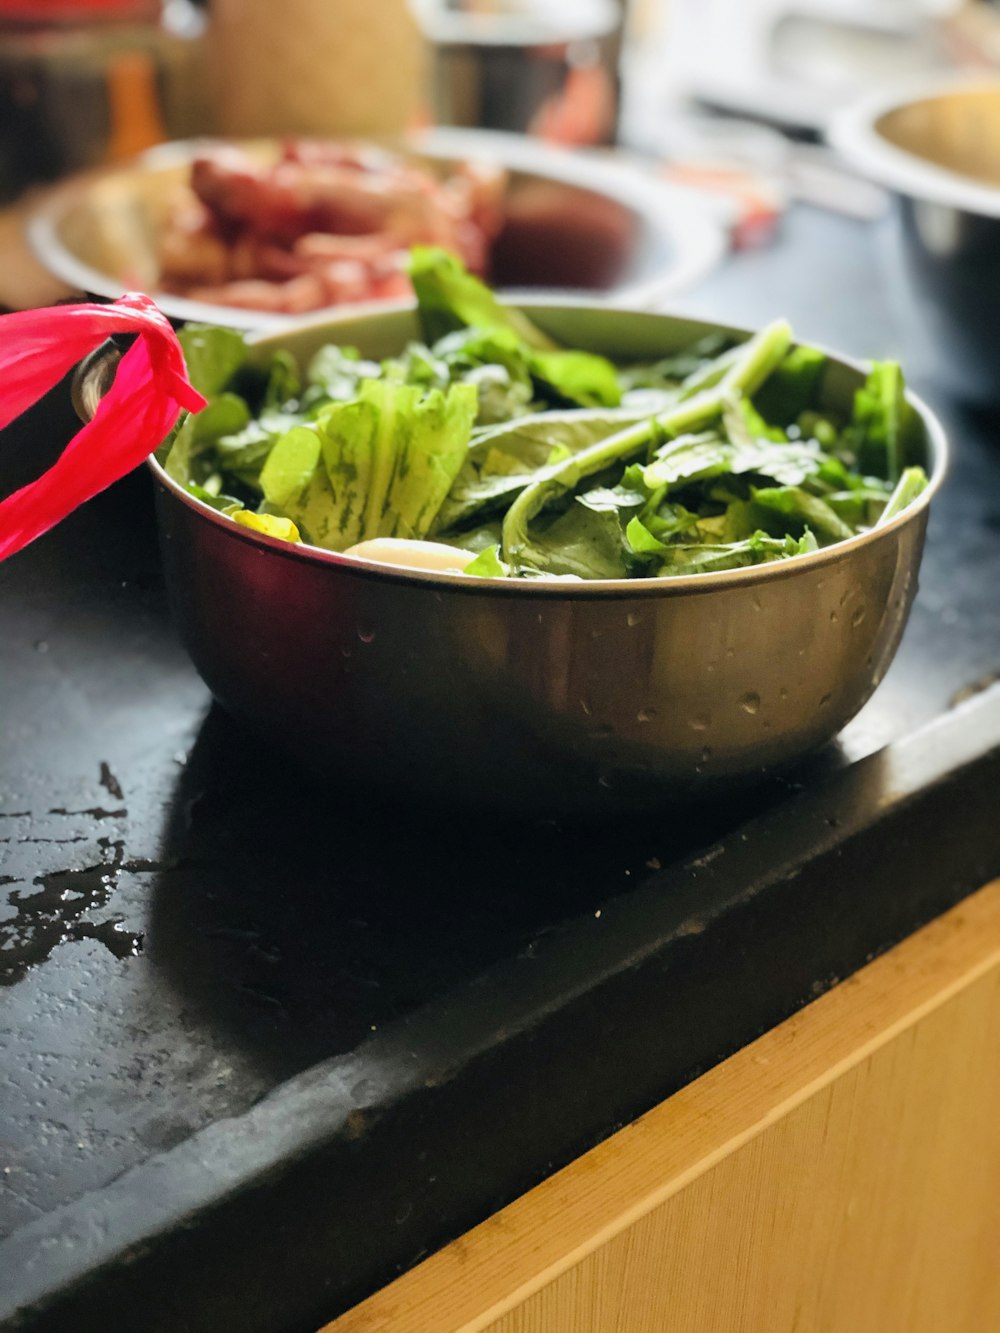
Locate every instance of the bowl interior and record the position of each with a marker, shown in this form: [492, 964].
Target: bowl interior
[958, 130]
[622, 335]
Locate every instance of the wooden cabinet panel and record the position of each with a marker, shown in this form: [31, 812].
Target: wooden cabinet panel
[840, 1175]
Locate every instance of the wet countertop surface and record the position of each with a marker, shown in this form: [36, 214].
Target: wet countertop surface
[219, 981]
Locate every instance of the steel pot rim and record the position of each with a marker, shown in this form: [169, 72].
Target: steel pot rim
[854, 133]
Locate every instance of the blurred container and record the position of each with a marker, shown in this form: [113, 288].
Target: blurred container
[324, 67]
[937, 149]
[544, 67]
[87, 84]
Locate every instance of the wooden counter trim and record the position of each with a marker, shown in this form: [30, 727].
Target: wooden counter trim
[619, 1240]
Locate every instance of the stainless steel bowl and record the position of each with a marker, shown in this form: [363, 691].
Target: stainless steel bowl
[548, 696]
[937, 149]
[584, 223]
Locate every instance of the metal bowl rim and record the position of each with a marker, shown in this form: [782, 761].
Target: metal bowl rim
[854, 133]
[674, 585]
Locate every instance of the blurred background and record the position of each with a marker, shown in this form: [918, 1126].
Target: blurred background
[725, 104]
[86, 82]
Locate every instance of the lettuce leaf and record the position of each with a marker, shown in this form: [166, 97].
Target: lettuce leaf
[503, 460]
[449, 298]
[379, 466]
[213, 355]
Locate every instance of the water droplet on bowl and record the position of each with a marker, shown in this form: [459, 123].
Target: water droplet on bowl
[365, 634]
[602, 733]
[633, 618]
[857, 617]
[700, 722]
[604, 780]
[825, 700]
[833, 617]
[645, 715]
[706, 753]
[750, 702]
[585, 707]
[782, 693]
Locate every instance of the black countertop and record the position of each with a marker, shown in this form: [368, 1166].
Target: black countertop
[263, 1045]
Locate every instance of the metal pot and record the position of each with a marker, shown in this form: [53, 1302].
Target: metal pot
[549, 696]
[937, 150]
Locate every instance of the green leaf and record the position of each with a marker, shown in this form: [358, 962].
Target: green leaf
[449, 297]
[859, 508]
[696, 458]
[295, 486]
[758, 549]
[391, 457]
[431, 443]
[198, 432]
[880, 409]
[641, 539]
[584, 542]
[756, 359]
[487, 564]
[225, 504]
[284, 383]
[348, 433]
[578, 377]
[335, 374]
[290, 466]
[503, 460]
[799, 511]
[912, 483]
[473, 539]
[792, 386]
[213, 355]
[670, 372]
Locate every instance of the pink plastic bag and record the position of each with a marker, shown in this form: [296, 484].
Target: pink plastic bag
[151, 388]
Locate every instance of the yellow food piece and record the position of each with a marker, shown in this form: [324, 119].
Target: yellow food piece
[269, 524]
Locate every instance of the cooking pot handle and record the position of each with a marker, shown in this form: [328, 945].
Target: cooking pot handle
[137, 411]
[94, 376]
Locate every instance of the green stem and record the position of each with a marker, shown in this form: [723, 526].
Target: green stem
[910, 485]
[758, 358]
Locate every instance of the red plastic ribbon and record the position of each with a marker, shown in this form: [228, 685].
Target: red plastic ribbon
[151, 387]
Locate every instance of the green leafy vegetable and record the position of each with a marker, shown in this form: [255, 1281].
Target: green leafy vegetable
[449, 299]
[879, 410]
[912, 483]
[545, 461]
[487, 564]
[759, 356]
[213, 355]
